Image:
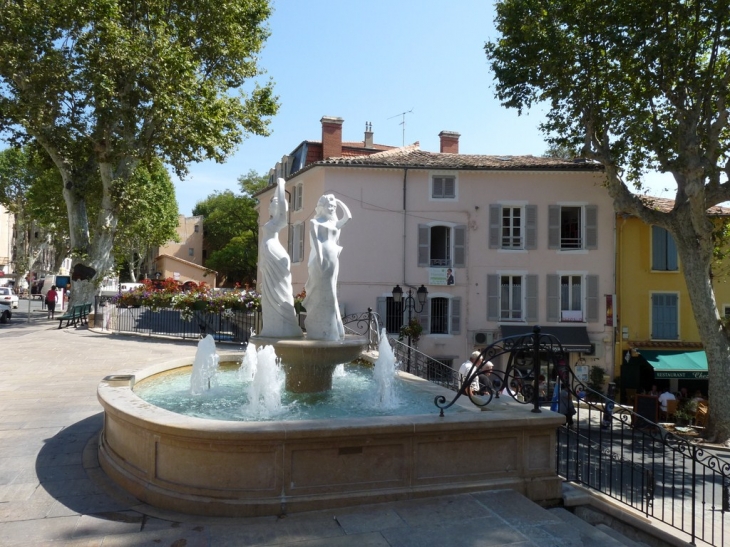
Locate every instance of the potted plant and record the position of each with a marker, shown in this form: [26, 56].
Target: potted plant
[412, 330]
[682, 417]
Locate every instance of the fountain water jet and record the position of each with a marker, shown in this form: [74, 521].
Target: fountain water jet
[205, 367]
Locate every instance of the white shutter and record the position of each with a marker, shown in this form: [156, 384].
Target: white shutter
[425, 317]
[459, 246]
[299, 191]
[449, 187]
[438, 187]
[591, 227]
[301, 242]
[531, 299]
[492, 297]
[592, 298]
[424, 245]
[531, 227]
[554, 227]
[455, 315]
[553, 298]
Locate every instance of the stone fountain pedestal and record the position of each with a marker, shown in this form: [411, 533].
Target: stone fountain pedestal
[309, 364]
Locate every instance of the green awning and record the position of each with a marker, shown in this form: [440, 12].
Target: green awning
[684, 365]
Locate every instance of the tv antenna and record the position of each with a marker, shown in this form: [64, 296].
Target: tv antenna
[402, 123]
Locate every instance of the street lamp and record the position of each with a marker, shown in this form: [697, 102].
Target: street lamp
[409, 303]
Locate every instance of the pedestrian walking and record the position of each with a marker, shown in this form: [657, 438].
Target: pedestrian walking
[51, 299]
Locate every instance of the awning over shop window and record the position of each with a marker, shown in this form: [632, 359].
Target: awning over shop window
[684, 365]
[571, 338]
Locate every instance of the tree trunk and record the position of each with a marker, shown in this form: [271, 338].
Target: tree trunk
[714, 336]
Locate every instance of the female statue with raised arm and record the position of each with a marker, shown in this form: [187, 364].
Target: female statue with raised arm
[323, 320]
[277, 300]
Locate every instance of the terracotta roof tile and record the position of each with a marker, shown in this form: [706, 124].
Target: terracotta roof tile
[412, 156]
[665, 205]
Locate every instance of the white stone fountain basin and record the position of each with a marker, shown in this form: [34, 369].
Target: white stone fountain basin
[223, 468]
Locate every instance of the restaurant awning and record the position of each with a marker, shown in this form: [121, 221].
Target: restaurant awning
[571, 338]
[684, 365]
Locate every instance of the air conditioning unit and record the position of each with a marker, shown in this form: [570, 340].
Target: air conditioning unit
[483, 337]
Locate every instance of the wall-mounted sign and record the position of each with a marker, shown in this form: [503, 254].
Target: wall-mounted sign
[440, 276]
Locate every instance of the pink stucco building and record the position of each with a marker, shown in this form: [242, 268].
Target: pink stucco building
[528, 241]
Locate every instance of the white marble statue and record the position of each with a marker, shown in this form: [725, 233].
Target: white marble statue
[323, 320]
[277, 300]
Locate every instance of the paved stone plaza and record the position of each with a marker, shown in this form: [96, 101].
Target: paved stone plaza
[52, 491]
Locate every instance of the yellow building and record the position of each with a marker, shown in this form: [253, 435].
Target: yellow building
[657, 341]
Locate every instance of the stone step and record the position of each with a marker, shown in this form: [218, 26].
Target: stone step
[619, 536]
[589, 535]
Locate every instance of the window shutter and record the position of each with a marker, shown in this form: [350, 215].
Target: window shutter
[672, 261]
[459, 246]
[554, 227]
[424, 317]
[424, 245]
[592, 298]
[658, 248]
[591, 227]
[382, 310]
[449, 187]
[456, 315]
[495, 226]
[301, 242]
[492, 297]
[553, 298]
[531, 299]
[438, 187]
[299, 191]
[531, 227]
[290, 242]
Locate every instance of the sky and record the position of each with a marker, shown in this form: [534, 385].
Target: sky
[371, 62]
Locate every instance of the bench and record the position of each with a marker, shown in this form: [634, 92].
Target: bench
[76, 315]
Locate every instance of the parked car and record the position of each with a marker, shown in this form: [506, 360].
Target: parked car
[5, 313]
[7, 296]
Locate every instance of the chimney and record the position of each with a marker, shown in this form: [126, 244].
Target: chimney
[449, 142]
[331, 137]
[368, 135]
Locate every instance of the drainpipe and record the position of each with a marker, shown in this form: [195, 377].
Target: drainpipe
[405, 178]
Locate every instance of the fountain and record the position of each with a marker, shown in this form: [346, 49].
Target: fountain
[248, 468]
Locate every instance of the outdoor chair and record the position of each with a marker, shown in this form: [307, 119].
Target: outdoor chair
[630, 396]
[701, 415]
[668, 415]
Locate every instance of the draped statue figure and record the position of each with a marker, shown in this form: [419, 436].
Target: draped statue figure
[277, 300]
[323, 321]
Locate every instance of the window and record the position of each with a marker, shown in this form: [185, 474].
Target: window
[511, 297]
[191, 251]
[572, 297]
[664, 316]
[295, 197]
[443, 187]
[391, 314]
[441, 246]
[296, 242]
[512, 226]
[441, 315]
[663, 251]
[197, 228]
[572, 227]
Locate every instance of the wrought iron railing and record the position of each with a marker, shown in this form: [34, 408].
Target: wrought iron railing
[229, 326]
[610, 448]
[419, 364]
[364, 324]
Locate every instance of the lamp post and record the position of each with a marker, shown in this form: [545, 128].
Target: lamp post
[409, 303]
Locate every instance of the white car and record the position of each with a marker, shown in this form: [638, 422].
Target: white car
[5, 313]
[7, 296]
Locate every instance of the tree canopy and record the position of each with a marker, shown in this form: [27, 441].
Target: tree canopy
[636, 85]
[231, 229]
[106, 85]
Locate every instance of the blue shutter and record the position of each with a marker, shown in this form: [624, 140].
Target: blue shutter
[554, 227]
[459, 246]
[672, 261]
[455, 315]
[664, 316]
[531, 227]
[424, 245]
[495, 226]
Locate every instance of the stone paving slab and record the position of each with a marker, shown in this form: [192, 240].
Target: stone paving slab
[53, 492]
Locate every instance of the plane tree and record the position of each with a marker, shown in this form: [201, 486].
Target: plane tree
[103, 86]
[639, 86]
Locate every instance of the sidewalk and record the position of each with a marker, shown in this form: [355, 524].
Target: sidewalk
[52, 491]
